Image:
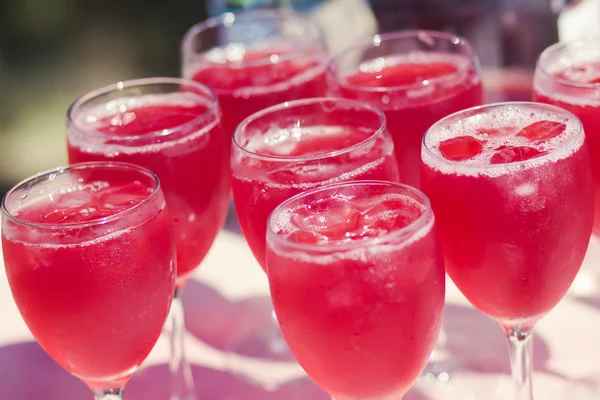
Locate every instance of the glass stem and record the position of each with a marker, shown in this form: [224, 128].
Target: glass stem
[182, 381]
[112, 394]
[277, 343]
[521, 352]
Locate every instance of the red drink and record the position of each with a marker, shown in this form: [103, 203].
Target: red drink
[252, 65]
[301, 145]
[91, 264]
[178, 136]
[246, 88]
[568, 76]
[416, 78]
[512, 191]
[357, 280]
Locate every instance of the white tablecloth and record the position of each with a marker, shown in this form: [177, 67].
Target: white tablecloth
[227, 303]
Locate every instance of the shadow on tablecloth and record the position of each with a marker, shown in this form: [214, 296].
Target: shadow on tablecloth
[478, 344]
[28, 373]
[475, 342]
[240, 326]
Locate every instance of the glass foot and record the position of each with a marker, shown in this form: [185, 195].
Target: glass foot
[441, 365]
[437, 372]
[176, 397]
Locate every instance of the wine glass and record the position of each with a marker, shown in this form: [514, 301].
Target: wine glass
[90, 260]
[511, 187]
[256, 59]
[173, 127]
[357, 278]
[299, 145]
[568, 75]
[416, 78]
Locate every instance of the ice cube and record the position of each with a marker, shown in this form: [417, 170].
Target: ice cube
[461, 148]
[304, 236]
[122, 196]
[332, 217]
[495, 132]
[389, 215]
[296, 173]
[542, 130]
[510, 154]
[75, 199]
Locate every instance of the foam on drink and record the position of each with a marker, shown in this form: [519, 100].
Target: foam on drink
[305, 141]
[96, 119]
[500, 140]
[343, 218]
[280, 72]
[302, 147]
[572, 63]
[422, 75]
[434, 65]
[76, 212]
[575, 74]
[358, 223]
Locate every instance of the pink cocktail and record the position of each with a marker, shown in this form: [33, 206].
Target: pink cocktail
[357, 280]
[416, 78]
[299, 145]
[256, 59]
[568, 76]
[512, 190]
[173, 127]
[90, 260]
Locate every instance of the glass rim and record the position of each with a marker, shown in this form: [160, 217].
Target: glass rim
[556, 47]
[81, 166]
[242, 126]
[128, 84]
[411, 229]
[229, 18]
[378, 39]
[472, 111]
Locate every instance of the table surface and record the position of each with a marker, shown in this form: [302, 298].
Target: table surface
[227, 304]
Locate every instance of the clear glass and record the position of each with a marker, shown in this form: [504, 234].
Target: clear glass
[580, 96]
[101, 319]
[302, 144]
[186, 147]
[358, 265]
[256, 59]
[416, 78]
[412, 107]
[515, 234]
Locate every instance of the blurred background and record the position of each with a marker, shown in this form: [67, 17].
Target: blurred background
[52, 51]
